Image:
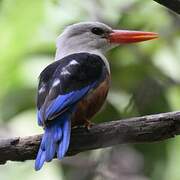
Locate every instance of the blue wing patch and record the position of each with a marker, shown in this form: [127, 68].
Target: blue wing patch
[63, 101]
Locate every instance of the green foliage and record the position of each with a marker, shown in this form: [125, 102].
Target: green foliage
[145, 77]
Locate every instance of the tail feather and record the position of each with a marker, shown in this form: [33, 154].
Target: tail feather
[50, 144]
[55, 140]
[40, 159]
[64, 144]
[58, 133]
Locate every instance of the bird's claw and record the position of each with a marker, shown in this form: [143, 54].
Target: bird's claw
[88, 124]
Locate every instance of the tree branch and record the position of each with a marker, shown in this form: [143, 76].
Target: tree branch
[173, 5]
[143, 129]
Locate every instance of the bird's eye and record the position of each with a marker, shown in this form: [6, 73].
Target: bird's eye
[97, 31]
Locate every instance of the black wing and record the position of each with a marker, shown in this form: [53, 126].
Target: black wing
[65, 82]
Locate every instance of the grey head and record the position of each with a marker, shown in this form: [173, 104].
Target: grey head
[83, 37]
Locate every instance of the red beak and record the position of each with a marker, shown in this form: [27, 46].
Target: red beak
[125, 36]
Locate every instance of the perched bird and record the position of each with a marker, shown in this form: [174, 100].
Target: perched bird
[74, 87]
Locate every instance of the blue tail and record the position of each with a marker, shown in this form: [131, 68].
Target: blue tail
[55, 140]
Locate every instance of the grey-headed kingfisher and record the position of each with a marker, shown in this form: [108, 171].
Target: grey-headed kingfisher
[73, 88]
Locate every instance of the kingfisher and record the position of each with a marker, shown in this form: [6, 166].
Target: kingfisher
[74, 87]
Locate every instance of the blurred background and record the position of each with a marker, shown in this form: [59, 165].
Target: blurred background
[145, 80]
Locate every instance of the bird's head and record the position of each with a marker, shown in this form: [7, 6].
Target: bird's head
[96, 37]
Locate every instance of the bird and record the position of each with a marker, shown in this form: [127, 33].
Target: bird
[74, 87]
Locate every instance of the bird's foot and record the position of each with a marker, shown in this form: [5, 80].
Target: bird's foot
[88, 124]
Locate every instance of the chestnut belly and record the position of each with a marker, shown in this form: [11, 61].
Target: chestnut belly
[91, 103]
